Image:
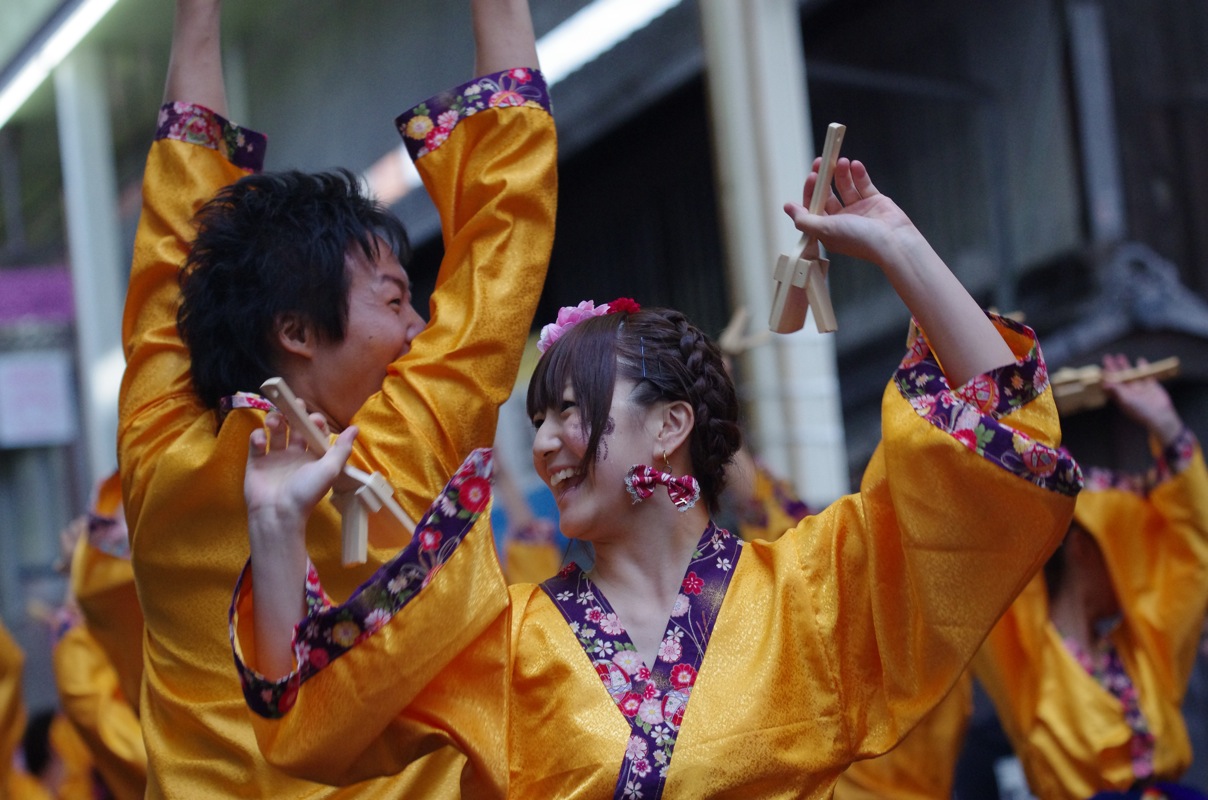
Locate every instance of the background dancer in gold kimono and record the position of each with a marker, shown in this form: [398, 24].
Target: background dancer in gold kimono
[685, 663]
[1089, 666]
[302, 276]
[98, 654]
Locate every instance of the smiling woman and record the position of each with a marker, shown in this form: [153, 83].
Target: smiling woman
[682, 663]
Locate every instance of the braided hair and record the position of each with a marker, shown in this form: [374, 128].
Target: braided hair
[668, 359]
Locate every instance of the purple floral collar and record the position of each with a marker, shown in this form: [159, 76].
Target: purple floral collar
[1103, 663]
[653, 701]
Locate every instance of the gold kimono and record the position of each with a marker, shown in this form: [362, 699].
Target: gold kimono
[98, 662]
[487, 154]
[12, 711]
[923, 765]
[797, 656]
[1069, 732]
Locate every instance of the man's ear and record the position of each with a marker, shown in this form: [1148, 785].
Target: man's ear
[295, 335]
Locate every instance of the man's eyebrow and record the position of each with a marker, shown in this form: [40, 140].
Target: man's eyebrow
[403, 284]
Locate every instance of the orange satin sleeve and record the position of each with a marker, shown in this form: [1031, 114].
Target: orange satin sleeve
[12, 703]
[103, 585]
[494, 182]
[182, 473]
[1069, 733]
[1156, 548]
[79, 782]
[860, 620]
[434, 678]
[103, 717]
[156, 402]
[923, 765]
[530, 562]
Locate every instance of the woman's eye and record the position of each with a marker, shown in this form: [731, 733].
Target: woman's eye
[567, 405]
[537, 421]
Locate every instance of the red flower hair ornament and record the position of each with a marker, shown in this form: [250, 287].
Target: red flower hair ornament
[570, 316]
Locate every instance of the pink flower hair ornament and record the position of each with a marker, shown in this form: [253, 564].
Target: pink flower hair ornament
[570, 316]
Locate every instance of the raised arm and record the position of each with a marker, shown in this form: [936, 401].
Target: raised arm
[1144, 401]
[282, 485]
[195, 68]
[503, 35]
[864, 223]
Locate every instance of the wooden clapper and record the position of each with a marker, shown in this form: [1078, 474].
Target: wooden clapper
[371, 493]
[801, 276]
[1081, 388]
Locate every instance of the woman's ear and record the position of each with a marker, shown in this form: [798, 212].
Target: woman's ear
[676, 422]
[294, 335]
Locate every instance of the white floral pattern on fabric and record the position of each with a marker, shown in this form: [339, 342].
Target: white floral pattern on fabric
[652, 699]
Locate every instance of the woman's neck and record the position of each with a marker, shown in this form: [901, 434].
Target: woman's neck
[1081, 617]
[649, 557]
[641, 573]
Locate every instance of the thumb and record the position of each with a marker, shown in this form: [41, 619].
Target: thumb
[337, 455]
[803, 220]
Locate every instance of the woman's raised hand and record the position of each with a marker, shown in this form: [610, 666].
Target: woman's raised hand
[858, 221]
[284, 482]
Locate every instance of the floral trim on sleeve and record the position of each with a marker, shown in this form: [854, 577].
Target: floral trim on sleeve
[329, 631]
[195, 124]
[242, 400]
[1172, 460]
[64, 619]
[971, 413]
[653, 701]
[428, 125]
[1176, 456]
[109, 535]
[771, 491]
[539, 531]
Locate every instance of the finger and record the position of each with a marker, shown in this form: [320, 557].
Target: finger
[320, 422]
[801, 217]
[278, 431]
[344, 441]
[803, 220]
[808, 193]
[336, 457]
[257, 444]
[848, 192]
[862, 181]
[810, 183]
[1114, 363]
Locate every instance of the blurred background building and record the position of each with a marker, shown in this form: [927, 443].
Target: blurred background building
[1027, 139]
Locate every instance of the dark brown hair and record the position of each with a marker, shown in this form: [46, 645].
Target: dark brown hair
[668, 358]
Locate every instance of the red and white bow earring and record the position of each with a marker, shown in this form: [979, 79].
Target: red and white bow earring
[641, 479]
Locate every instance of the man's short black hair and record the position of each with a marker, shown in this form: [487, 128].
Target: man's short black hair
[270, 245]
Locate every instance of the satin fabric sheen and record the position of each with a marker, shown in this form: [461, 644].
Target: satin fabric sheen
[1069, 732]
[832, 642]
[923, 766]
[494, 184]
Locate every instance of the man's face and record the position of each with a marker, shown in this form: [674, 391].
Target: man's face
[381, 325]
